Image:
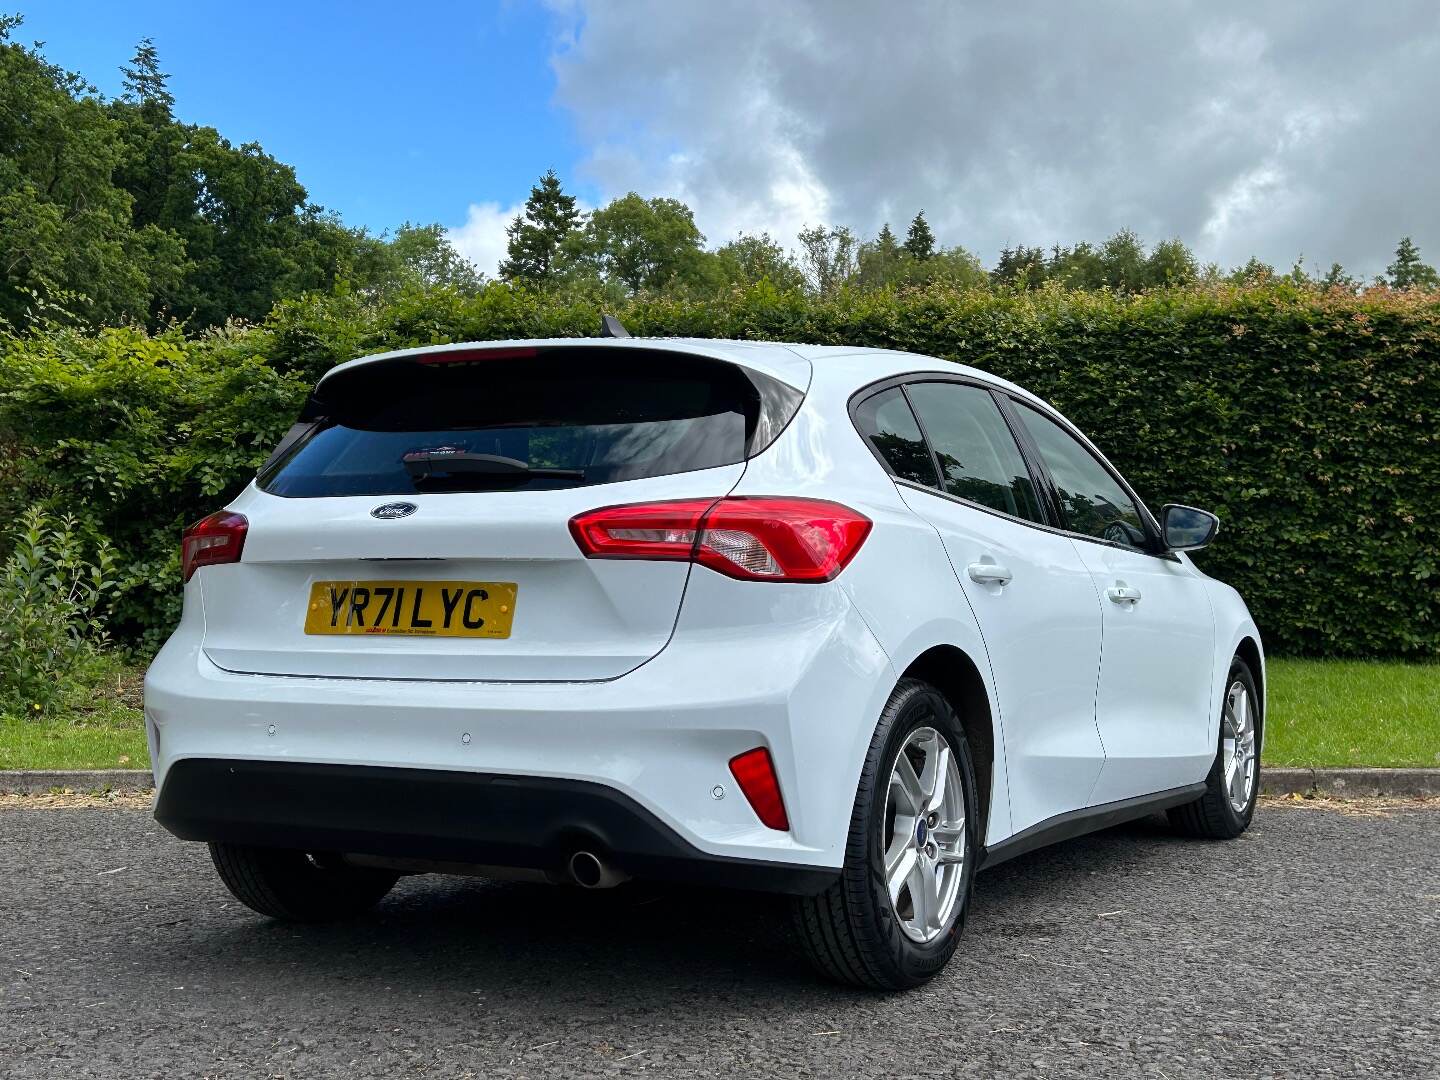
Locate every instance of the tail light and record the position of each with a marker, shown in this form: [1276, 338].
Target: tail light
[754, 771]
[218, 538]
[754, 539]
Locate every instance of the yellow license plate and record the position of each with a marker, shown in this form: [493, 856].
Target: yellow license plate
[477, 609]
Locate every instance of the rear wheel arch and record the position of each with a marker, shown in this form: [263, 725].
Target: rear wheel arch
[952, 672]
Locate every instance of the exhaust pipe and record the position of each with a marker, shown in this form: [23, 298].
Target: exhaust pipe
[590, 871]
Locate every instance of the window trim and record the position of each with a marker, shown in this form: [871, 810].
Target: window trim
[935, 455]
[1147, 519]
[865, 393]
[1040, 476]
[860, 400]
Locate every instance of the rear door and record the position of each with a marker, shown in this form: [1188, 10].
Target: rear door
[418, 527]
[1030, 592]
[1153, 703]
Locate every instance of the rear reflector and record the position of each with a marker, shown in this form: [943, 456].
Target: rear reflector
[218, 538]
[754, 771]
[754, 539]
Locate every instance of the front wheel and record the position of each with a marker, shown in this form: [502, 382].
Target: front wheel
[296, 886]
[895, 916]
[1231, 789]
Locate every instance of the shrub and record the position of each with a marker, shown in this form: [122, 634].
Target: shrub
[136, 436]
[1308, 420]
[50, 591]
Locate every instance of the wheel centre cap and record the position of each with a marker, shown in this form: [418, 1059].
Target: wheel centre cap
[922, 830]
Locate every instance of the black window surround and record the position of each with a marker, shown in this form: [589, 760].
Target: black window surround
[1039, 473]
[939, 469]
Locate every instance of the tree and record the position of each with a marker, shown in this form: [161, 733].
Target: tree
[1080, 267]
[642, 244]
[827, 257]
[880, 262]
[144, 82]
[883, 262]
[423, 254]
[539, 233]
[1170, 263]
[748, 260]
[67, 237]
[1337, 278]
[953, 266]
[919, 240]
[1020, 267]
[1407, 271]
[1254, 272]
[1123, 259]
[153, 169]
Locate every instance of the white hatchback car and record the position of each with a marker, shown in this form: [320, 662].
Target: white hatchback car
[843, 623]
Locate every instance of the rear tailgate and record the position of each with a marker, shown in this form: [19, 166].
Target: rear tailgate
[541, 610]
[573, 618]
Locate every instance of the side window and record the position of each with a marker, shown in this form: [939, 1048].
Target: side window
[979, 459]
[889, 425]
[1090, 498]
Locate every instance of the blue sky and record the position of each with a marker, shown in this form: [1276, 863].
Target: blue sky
[388, 112]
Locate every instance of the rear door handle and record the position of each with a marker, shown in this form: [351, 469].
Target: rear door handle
[1121, 593]
[988, 573]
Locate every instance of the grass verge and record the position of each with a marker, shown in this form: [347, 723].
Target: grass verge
[97, 724]
[1353, 712]
[1322, 713]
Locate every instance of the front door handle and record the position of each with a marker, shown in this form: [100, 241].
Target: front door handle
[1121, 593]
[988, 573]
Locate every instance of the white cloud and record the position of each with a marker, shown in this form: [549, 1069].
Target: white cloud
[482, 238]
[1299, 125]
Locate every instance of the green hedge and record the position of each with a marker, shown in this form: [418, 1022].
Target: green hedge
[1309, 421]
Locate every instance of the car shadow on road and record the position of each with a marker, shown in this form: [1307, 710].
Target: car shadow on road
[436, 934]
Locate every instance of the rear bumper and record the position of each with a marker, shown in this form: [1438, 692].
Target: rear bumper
[448, 817]
[802, 676]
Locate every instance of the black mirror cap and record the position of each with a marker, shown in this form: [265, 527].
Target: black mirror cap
[1187, 528]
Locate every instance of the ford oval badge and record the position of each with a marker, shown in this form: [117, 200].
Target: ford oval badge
[392, 511]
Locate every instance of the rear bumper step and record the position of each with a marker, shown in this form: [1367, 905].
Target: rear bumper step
[456, 817]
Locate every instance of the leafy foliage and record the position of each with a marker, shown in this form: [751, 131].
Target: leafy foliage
[113, 210]
[1308, 419]
[828, 257]
[1407, 271]
[650, 244]
[749, 260]
[919, 240]
[66, 231]
[422, 255]
[537, 236]
[50, 591]
[133, 435]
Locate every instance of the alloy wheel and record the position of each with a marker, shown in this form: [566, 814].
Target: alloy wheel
[925, 838]
[1239, 746]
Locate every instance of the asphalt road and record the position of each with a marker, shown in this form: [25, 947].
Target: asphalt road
[1310, 947]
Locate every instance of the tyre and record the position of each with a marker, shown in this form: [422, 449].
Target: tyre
[895, 916]
[296, 886]
[1226, 808]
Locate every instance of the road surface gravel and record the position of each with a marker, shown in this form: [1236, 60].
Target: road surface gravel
[1309, 947]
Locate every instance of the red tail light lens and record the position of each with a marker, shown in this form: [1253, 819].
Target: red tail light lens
[754, 771]
[754, 539]
[218, 538]
[665, 530]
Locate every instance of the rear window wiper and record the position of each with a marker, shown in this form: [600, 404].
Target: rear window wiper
[422, 464]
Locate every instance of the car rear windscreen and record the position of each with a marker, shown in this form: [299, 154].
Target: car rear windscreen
[565, 418]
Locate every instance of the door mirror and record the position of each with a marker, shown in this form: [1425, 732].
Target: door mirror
[1187, 528]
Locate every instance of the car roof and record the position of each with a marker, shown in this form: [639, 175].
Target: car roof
[790, 362]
